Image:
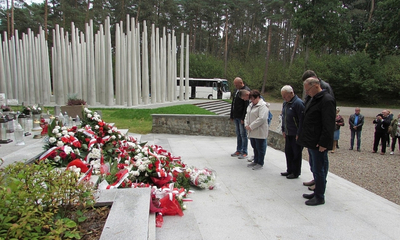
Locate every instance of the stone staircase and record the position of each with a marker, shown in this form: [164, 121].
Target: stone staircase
[216, 106]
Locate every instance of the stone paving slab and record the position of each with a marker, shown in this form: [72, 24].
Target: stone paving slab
[248, 204]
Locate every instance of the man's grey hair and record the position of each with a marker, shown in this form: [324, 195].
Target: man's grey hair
[312, 81]
[243, 92]
[287, 88]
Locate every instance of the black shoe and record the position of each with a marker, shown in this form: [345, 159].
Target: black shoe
[292, 176]
[315, 201]
[337, 146]
[308, 196]
[285, 173]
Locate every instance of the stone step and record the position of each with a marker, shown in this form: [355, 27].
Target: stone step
[217, 107]
[129, 214]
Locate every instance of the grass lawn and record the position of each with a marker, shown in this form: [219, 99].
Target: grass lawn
[140, 120]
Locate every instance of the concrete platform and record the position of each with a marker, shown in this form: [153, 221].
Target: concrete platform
[248, 204]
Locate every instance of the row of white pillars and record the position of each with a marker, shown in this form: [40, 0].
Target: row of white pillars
[82, 66]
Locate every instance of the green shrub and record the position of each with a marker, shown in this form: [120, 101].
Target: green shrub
[37, 202]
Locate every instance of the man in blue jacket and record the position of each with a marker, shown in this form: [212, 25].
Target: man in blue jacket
[317, 135]
[292, 121]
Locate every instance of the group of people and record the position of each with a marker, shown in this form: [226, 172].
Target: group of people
[385, 127]
[313, 122]
[309, 123]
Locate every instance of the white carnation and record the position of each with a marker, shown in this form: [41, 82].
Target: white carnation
[52, 140]
[60, 144]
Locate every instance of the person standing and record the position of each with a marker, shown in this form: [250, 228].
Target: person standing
[394, 131]
[317, 135]
[356, 122]
[339, 122]
[382, 123]
[328, 89]
[238, 112]
[292, 121]
[256, 124]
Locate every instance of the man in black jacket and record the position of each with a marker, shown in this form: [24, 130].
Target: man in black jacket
[317, 135]
[238, 112]
[382, 123]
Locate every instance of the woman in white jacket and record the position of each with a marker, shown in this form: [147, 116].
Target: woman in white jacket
[256, 124]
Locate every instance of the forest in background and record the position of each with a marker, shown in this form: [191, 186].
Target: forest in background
[352, 44]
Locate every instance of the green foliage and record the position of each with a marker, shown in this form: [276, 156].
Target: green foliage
[39, 202]
[205, 66]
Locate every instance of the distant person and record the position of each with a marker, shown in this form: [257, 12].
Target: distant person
[238, 112]
[317, 135]
[356, 122]
[256, 125]
[382, 123]
[390, 116]
[394, 131]
[339, 122]
[328, 89]
[292, 121]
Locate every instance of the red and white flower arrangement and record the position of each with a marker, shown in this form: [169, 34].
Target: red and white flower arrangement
[121, 162]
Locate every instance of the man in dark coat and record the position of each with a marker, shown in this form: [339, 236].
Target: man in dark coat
[238, 112]
[317, 135]
[356, 122]
[292, 121]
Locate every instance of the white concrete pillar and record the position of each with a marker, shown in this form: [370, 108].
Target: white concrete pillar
[187, 69]
[109, 71]
[145, 66]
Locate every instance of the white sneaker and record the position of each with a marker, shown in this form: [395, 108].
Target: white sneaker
[391, 153]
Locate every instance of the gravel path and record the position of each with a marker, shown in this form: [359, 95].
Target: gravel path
[372, 171]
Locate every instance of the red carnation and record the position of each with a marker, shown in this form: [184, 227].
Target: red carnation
[73, 155]
[53, 154]
[150, 166]
[77, 144]
[63, 155]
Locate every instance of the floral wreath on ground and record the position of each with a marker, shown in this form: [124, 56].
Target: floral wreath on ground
[121, 162]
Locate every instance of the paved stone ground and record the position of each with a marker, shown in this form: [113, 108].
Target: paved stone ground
[374, 172]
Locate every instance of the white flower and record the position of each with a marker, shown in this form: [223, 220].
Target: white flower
[89, 115]
[64, 132]
[57, 158]
[71, 134]
[134, 173]
[58, 135]
[60, 144]
[87, 110]
[142, 167]
[113, 137]
[57, 127]
[55, 131]
[96, 127]
[52, 140]
[77, 152]
[64, 128]
[67, 149]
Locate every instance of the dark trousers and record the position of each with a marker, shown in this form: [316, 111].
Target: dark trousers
[380, 136]
[319, 166]
[394, 140]
[293, 155]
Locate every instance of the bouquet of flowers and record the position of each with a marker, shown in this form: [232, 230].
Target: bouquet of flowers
[202, 178]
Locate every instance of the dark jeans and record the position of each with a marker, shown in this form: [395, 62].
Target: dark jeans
[293, 155]
[319, 166]
[260, 147]
[355, 134]
[241, 135]
[380, 136]
[394, 140]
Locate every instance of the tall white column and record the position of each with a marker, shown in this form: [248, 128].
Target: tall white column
[181, 83]
[158, 67]
[153, 64]
[187, 69]
[134, 67]
[109, 71]
[145, 66]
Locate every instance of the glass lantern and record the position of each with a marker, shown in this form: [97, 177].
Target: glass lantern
[3, 130]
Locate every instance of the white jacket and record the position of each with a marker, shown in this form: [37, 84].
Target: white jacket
[257, 119]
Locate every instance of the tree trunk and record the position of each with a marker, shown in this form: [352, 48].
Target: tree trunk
[226, 45]
[45, 20]
[12, 18]
[369, 19]
[267, 58]
[296, 44]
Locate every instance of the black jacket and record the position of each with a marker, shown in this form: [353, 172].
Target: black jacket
[318, 122]
[360, 122]
[239, 106]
